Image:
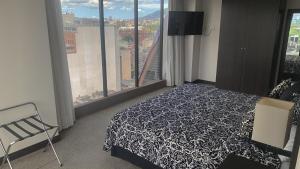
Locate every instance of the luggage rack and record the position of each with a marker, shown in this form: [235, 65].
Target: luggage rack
[22, 125]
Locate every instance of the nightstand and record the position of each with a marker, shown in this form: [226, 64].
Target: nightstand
[237, 162]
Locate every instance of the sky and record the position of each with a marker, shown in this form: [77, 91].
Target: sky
[296, 16]
[119, 9]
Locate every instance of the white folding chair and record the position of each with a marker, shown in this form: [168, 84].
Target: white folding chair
[18, 129]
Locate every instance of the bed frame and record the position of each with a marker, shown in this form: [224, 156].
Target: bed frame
[132, 158]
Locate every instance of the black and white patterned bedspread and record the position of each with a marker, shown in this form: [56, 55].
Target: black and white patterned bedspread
[191, 126]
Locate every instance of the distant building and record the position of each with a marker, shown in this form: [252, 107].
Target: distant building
[69, 19]
[69, 33]
[82, 39]
[70, 42]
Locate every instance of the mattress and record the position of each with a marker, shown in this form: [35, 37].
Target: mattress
[191, 126]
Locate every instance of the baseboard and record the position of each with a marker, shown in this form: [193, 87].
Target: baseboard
[31, 149]
[203, 81]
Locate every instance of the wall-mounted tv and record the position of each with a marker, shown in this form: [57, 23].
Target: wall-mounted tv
[185, 23]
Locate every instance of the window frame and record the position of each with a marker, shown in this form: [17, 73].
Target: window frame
[90, 106]
[288, 23]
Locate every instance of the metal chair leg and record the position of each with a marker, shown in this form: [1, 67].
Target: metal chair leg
[47, 146]
[8, 161]
[48, 137]
[6, 155]
[52, 147]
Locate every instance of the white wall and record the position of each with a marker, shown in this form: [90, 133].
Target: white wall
[210, 40]
[25, 63]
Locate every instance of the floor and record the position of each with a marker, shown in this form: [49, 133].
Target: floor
[81, 146]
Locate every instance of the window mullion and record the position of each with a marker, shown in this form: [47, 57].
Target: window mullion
[136, 43]
[103, 51]
[162, 10]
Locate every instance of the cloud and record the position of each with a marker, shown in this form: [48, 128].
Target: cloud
[111, 7]
[141, 10]
[74, 3]
[113, 4]
[107, 4]
[150, 6]
[124, 8]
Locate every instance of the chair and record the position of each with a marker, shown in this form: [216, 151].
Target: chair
[24, 128]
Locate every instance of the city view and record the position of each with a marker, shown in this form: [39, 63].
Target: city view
[292, 59]
[294, 43]
[82, 41]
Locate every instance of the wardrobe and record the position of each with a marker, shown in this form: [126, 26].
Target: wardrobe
[247, 47]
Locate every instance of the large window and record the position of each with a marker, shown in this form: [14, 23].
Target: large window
[292, 60]
[149, 41]
[119, 30]
[83, 35]
[82, 41]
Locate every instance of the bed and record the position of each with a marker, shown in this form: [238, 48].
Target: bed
[191, 126]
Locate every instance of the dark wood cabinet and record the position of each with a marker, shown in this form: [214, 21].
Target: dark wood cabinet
[249, 30]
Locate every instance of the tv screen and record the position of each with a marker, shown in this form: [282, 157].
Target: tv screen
[185, 23]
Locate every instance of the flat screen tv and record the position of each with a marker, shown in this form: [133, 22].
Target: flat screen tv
[185, 23]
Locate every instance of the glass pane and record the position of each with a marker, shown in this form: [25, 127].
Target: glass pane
[82, 40]
[166, 7]
[292, 60]
[149, 41]
[119, 42]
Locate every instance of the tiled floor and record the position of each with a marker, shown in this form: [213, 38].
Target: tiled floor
[81, 146]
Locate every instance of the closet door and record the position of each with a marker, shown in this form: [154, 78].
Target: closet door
[261, 28]
[232, 37]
